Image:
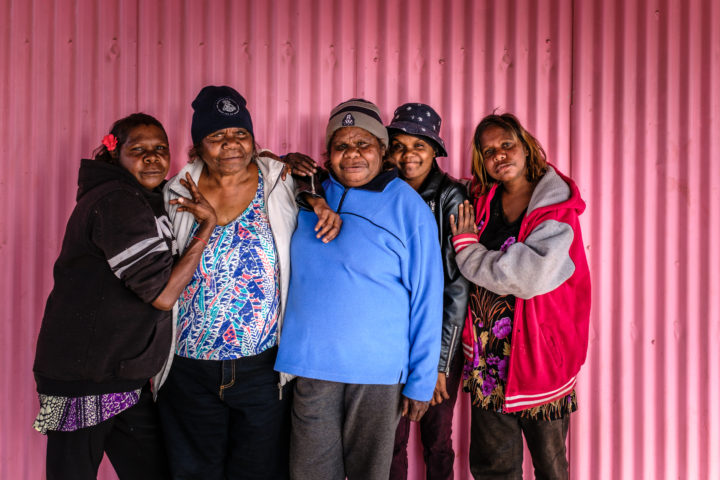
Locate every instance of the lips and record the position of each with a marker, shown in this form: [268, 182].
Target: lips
[352, 168]
[502, 167]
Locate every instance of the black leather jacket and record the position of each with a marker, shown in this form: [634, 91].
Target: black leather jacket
[443, 194]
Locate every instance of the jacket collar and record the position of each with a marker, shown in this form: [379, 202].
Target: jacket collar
[432, 182]
[270, 169]
[377, 184]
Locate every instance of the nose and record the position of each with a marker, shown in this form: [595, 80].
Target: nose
[352, 151]
[231, 141]
[150, 156]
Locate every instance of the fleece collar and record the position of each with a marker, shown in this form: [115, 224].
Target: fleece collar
[377, 184]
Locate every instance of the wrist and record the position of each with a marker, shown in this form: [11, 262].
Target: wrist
[205, 228]
[463, 240]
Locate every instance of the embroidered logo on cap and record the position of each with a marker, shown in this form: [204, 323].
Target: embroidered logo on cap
[227, 106]
[348, 121]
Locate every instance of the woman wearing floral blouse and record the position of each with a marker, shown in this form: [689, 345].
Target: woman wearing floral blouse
[527, 331]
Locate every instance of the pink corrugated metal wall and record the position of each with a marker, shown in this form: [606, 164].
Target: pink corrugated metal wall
[624, 95]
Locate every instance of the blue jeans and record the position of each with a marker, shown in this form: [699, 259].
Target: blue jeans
[224, 419]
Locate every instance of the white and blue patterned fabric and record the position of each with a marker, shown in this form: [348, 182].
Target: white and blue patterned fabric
[230, 307]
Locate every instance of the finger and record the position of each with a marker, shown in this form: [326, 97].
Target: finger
[415, 412]
[332, 234]
[468, 216]
[194, 191]
[323, 227]
[453, 228]
[405, 403]
[286, 169]
[420, 409]
[306, 169]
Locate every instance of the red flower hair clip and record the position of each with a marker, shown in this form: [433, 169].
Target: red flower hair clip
[110, 142]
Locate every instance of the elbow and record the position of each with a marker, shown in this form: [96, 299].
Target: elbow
[163, 304]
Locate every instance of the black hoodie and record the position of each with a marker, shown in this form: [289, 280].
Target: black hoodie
[100, 333]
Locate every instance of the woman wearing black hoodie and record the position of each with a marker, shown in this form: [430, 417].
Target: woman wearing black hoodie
[106, 329]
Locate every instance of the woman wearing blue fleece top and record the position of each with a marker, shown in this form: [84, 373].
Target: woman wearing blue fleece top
[363, 319]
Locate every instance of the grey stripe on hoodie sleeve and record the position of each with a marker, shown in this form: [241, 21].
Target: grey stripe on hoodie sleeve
[536, 266]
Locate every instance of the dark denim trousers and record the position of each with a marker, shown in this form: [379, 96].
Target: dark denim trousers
[131, 440]
[496, 445]
[225, 419]
[435, 433]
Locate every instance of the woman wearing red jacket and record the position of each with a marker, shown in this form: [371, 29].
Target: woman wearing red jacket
[526, 334]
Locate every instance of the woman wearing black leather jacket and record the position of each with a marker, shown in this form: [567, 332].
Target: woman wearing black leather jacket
[414, 144]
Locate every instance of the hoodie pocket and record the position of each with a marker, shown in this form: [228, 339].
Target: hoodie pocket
[151, 360]
[552, 347]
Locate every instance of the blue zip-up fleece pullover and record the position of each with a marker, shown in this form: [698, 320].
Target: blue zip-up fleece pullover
[367, 307]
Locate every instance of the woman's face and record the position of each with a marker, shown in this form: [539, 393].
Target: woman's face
[412, 155]
[504, 157]
[227, 151]
[356, 156]
[146, 155]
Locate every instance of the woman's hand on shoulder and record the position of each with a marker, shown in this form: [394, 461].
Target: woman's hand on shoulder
[465, 220]
[298, 164]
[197, 204]
[329, 222]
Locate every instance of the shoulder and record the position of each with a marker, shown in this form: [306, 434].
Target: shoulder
[452, 191]
[550, 190]
[174, 188]
[556, 191]
[401, 192]
[270, 166]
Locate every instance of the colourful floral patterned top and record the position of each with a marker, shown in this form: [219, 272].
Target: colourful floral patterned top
[230, 307]
[492, 317]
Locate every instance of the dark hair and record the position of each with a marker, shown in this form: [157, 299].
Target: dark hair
[536, 159]
[121, 130]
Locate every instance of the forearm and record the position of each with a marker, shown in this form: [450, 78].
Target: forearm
[184, 268]
[526, 269]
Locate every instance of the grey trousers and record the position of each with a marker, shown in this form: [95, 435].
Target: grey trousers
[343, 430]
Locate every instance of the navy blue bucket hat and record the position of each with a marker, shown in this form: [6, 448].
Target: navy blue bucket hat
[419, 120]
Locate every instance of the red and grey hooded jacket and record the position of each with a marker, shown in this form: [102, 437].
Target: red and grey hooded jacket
[547, 271]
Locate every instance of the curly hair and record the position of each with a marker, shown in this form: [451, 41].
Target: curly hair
[121, 129]
[536, 158]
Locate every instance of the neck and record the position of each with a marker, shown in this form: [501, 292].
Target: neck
[222, 180]
[518, 187]
[416, 183]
